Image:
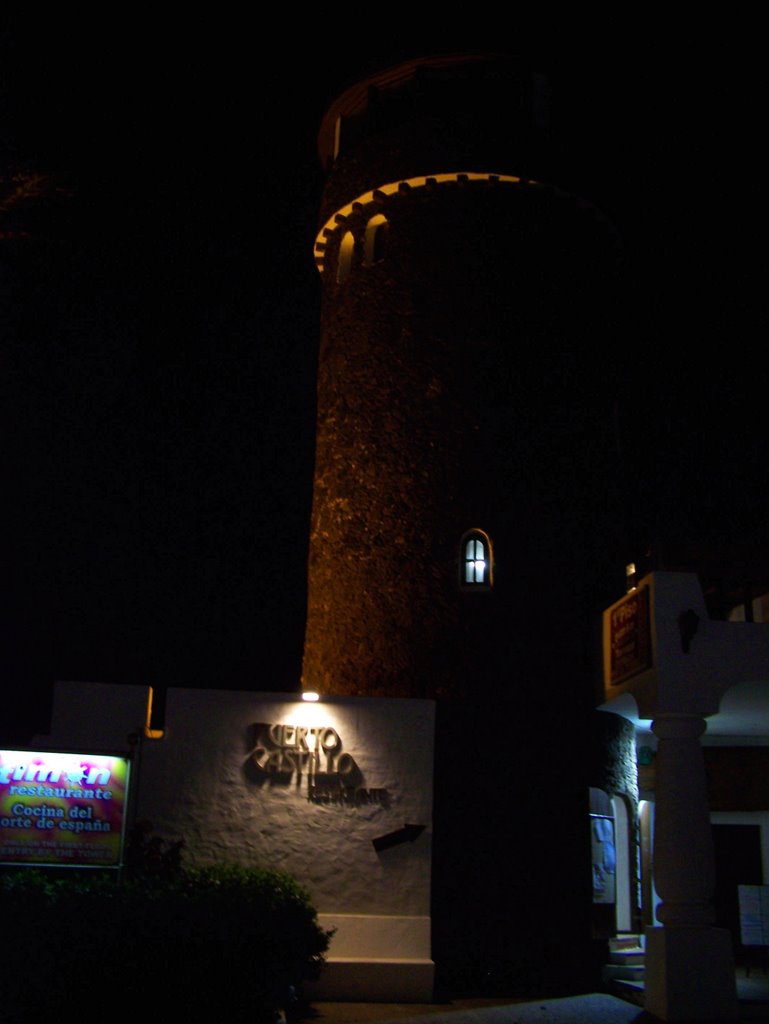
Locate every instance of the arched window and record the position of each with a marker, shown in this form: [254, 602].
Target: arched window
[475, 561]
[344, 263]
[375, 240]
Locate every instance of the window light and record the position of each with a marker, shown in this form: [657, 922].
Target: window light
[475, 560]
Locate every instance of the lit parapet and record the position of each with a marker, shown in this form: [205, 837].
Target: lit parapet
[20, 187]
[340, 216]
[22, 191]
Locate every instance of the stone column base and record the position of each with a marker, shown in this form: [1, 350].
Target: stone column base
[690, 974]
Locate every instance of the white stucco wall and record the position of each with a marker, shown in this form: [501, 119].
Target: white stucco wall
[224, 778]
[199, 783]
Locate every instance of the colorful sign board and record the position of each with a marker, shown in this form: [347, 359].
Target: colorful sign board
[62, 808]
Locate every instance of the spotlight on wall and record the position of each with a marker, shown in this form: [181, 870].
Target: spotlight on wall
[631, 583]
[310, 695]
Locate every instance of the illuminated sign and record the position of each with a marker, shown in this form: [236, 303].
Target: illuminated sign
[314, 753]
[62, 808]
[630, 646]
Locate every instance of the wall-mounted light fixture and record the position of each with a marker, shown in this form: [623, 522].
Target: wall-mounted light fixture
[631, 583]
[310, 695]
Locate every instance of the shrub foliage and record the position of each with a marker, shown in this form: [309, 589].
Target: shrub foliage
[224, 940]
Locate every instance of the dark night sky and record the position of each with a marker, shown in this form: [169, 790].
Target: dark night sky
[159, 346]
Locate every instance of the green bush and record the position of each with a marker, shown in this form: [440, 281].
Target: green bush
[224, 940]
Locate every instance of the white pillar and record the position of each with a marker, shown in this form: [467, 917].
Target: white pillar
[689, 965]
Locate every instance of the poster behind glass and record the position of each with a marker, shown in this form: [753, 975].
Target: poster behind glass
[604, 858]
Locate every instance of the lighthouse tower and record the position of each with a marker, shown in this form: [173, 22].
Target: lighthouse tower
[466, 300]
[462, 518]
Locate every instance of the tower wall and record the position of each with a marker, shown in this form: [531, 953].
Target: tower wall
[466, 339]
[454, 385]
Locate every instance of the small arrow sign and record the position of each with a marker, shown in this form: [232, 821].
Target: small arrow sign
[407, 834]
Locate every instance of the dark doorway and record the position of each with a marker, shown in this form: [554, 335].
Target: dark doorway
[738, 862]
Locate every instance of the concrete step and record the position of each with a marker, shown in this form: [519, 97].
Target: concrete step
[627, 949]
[627, 941]
[627, 956]
[630, 991]
[626, 960]
[623, 972]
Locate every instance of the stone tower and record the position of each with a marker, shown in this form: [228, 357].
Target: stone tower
[466, 299]
[462, 517]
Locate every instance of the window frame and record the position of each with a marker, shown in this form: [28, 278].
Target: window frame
[476, 536]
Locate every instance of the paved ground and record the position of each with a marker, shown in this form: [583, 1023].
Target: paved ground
[596, 1008]
[592, 1009]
